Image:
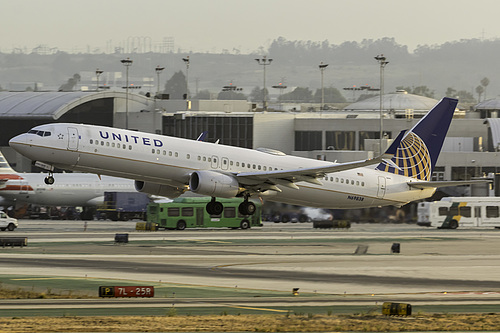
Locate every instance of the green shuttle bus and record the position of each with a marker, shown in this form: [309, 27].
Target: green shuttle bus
[184, 213]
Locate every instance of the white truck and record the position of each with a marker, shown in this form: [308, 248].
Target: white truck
[7, 223]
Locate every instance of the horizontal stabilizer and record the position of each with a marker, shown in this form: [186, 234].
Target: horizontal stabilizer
[423, 185]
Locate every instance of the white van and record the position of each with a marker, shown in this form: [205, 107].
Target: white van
[6, 222]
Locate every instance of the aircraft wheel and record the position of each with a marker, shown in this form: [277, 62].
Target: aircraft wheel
[247, 208]
[49, 180]
[214, 208]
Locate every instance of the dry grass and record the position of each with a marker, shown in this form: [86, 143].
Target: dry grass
[254, 323]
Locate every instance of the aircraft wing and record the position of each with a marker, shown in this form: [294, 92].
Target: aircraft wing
[431, 184]
[290, 177]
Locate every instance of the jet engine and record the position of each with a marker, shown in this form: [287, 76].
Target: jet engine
[157, 189]
[214, 184]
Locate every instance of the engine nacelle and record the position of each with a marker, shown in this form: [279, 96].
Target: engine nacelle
[214, 184]
[157, 189]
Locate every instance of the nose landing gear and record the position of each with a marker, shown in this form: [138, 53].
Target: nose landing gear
[49, 180]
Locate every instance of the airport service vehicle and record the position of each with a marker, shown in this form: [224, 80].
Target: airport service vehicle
[7, 223]
[123, 206]
[184, 213]
[169, 166]
[460, 212]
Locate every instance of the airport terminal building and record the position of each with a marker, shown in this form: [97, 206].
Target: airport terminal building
[471, 149]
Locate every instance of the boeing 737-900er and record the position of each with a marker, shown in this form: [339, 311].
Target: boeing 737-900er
[169, 166]
[71, 190]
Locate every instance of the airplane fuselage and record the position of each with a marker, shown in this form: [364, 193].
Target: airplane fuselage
[71, 189]
[171, 161]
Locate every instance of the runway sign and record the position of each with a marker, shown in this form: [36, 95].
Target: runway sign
[127, 291]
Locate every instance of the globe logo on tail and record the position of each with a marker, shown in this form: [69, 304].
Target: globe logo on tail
[412, 158]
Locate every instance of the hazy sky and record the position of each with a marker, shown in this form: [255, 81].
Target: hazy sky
[214, 25]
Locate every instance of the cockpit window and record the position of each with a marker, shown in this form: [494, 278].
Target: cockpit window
[40, 133]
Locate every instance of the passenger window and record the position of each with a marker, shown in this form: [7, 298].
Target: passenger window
[102, 143]
[173, 211]
[492, 211]
[443, 211]
[176, 154]
[188, 211]
[453, 211]
[91, 141]
[243, 164]
[466, 211]
[158, 151]
[230, 212]
[130, 147]
[117, 145]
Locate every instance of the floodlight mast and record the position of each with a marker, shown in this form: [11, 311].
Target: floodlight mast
[264, 61]
[382, 60]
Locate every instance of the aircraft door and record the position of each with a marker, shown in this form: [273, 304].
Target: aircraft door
[381, 187]
[73, 138]
[224, 163]
[215, 162]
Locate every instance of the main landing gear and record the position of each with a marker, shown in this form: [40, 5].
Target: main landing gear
[245, 208]
[49, 180]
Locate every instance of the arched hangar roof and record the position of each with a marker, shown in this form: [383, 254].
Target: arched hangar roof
[52, 105]
[489, 104]
[398, 101]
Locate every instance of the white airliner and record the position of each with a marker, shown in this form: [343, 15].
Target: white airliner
[169, 166]
[71, 189]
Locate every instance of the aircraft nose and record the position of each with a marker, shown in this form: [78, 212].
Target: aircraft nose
[18, 142]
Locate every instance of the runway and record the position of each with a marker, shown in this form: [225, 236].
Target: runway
[443, 266]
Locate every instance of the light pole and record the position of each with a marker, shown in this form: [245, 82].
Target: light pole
[127, 62]
[281, 87]
[158, 71]
[322, 68]
[186, 61]
[264, 62]
[98, 73]
[382, 61]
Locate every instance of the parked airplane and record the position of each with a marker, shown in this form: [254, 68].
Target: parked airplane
[169, 166]
[72, 189]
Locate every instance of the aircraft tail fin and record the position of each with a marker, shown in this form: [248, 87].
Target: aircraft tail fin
[5, 167]
[418, 150]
